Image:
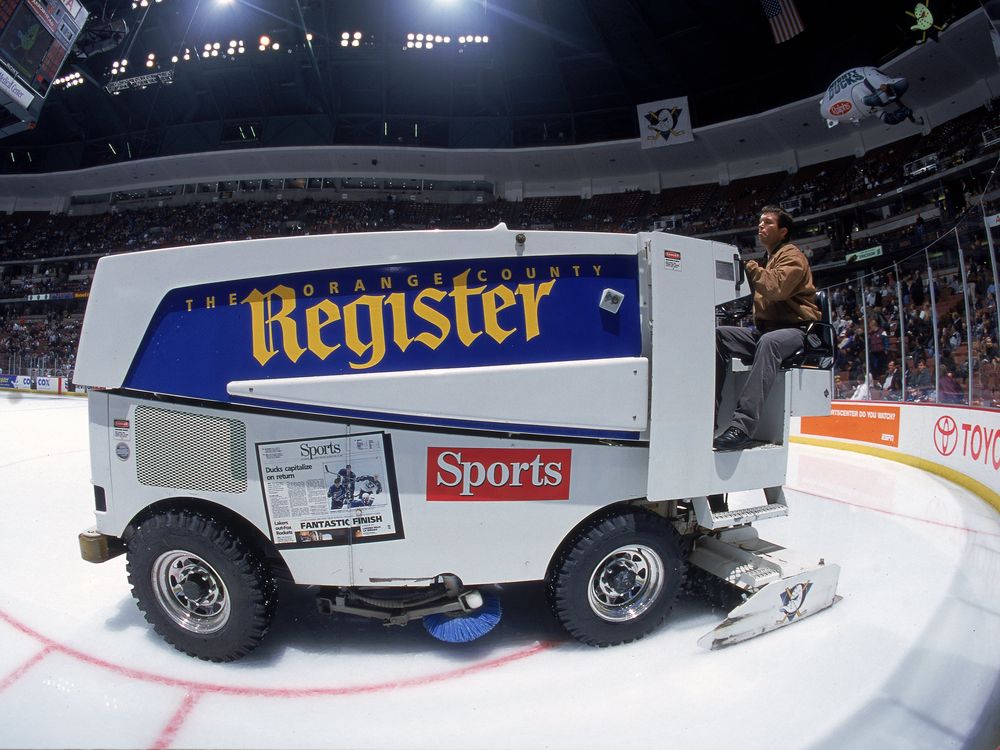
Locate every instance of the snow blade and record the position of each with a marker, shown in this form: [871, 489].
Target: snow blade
[777, 604]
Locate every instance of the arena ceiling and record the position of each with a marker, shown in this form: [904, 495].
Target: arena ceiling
[552, 72]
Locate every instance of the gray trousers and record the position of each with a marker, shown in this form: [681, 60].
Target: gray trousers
[767, 352]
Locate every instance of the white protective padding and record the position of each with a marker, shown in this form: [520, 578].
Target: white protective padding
[608, 394]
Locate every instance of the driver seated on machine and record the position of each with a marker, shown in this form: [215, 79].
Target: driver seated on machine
[784, 300]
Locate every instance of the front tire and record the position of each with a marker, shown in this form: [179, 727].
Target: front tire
[200, 586]
[617, 578]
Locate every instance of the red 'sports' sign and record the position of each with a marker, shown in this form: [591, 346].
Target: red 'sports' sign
[498, 473]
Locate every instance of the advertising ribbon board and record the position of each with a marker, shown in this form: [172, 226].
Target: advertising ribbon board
[865, 422]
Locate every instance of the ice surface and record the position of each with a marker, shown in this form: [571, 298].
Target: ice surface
[909, 659]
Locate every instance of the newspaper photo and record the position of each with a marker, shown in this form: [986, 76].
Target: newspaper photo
[330, 490]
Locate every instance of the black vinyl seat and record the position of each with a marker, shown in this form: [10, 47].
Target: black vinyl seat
[817, 352]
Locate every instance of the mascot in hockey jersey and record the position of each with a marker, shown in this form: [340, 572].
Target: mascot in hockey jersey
[865, 92]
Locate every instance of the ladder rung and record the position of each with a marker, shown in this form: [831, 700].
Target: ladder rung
[748, 515]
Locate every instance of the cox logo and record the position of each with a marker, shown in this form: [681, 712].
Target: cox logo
[945, 435]
[840, 108]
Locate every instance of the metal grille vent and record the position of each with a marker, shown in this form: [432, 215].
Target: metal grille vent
[189, 451]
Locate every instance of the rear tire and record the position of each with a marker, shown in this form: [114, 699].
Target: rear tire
[617, 578]
[200, 586]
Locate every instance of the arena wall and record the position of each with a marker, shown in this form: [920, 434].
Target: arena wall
[959, 443]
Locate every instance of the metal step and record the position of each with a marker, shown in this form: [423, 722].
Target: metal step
[738, 557]
[747, 515]
[775, 508]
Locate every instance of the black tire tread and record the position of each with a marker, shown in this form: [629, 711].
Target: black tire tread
[253, 591]
[603, 533]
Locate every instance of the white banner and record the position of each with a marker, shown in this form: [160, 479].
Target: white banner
[73, 6]
[51, 385]
[665, 122]
[10, 85]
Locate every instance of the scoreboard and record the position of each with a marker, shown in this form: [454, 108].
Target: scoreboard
[36, 36]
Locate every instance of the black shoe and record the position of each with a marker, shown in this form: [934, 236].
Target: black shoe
[733, 439]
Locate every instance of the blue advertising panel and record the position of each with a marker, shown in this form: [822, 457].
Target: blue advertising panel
[388, 318]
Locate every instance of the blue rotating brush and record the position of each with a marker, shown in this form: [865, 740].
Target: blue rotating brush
[465, 626]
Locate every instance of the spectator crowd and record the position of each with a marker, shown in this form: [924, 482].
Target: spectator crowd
[885, 312]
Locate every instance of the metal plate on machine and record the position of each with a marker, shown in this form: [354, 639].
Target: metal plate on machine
[725, 271]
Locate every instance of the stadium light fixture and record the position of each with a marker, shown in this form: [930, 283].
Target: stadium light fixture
[116, 86]
[69, 80]
[423, 40]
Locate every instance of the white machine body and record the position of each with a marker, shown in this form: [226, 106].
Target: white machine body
[492, 390]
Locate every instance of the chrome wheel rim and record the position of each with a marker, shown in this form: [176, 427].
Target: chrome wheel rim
[191, 593]
[626, 583]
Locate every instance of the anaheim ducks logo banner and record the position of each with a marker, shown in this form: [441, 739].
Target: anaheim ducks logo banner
[388, 318]
[664, 123]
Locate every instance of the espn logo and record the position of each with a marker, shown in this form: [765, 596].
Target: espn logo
[498, 473]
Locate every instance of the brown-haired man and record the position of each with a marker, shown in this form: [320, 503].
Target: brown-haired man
[784, 299]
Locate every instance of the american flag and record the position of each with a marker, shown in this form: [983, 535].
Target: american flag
[784, 19]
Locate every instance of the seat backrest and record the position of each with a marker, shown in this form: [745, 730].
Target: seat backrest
[824, 307]
[818, 350]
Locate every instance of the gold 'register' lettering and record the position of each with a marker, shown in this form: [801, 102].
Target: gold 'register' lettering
[531, 300]
[397, 303]
[496, 299]
[352, 334]
[436, 313]
[317, 317]
[461, 293]
[436, 318]
[264, 318]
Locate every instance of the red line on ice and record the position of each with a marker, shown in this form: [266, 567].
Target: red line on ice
[21, 670]
[173, 726]
[218, 689]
